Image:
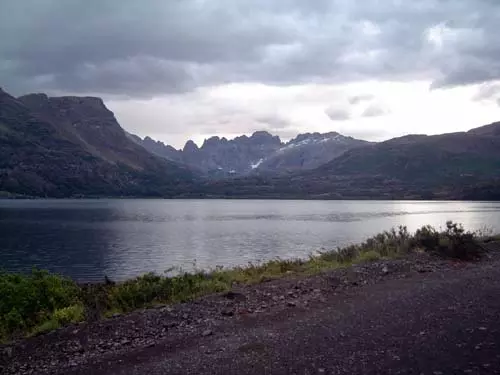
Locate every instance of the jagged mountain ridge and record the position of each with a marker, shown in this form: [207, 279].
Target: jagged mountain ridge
[261, 152]
[462, 165]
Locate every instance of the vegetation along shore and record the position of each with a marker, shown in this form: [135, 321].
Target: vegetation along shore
[39, 302]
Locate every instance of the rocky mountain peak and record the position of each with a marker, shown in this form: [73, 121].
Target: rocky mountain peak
[189, 147]
[35, 99]
[315, 137]
[265, 137]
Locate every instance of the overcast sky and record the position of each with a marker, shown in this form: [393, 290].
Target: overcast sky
[180, 69]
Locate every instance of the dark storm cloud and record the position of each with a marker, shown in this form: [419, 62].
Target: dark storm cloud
[143, 48]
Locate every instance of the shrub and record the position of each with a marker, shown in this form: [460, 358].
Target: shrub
[70, 314]
[28, 300]
[455, 242]
[368, 256]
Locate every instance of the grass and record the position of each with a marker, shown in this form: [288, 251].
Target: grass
[40, 301]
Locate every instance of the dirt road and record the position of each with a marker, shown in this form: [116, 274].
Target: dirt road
[445, 322]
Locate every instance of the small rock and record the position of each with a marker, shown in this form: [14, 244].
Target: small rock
[385, 270]
[482, 328]
[275, 298]
[235, 296]
[125, 342]
[185, 316]
[170, 325]
[317, 290]
[291, 304]
[227, 312]
[8, 352]
[116, 315]
[207, 332]
[424, 270]
[321, 371]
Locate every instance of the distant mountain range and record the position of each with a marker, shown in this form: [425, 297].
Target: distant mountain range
[74, 147]
[261, 152]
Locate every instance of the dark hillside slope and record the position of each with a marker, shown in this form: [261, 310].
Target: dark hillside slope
[61, 147]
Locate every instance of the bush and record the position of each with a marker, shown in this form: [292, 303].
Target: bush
[455, 242]
[28, 300]
[70, 314]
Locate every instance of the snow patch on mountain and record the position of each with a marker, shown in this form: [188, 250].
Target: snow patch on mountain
[256, 165]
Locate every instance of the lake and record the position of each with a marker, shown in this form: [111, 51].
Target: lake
[87, 239]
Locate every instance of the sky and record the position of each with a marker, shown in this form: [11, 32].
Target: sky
[190, 69]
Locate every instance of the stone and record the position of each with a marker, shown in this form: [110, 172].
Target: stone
[227, 312]
[291, 304]
[207, 332]
[385, 270]
[235, 296]
[8, 352]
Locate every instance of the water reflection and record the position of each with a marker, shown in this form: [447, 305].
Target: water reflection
[124, 238]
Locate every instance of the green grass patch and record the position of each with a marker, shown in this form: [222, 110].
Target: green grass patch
[40, 301]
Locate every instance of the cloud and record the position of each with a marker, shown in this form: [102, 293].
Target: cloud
[488, 91]
[274, 122]
[356, 99]
[338, 114]
[123, 47]
[375, 110]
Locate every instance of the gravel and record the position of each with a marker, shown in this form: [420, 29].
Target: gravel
[125, 339]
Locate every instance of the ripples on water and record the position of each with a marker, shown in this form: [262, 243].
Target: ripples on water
[87, 239]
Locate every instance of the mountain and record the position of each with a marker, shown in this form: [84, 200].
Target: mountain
[220, 157]
[425, 159]
[70, 146]
[158, 148]
[463, 165]
[261, 152]
[309, 151]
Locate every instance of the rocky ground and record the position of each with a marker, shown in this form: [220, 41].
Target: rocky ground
[213, 326]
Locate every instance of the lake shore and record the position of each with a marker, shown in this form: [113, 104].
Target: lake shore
[126, 340]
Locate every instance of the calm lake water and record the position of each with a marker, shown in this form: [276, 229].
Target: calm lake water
[87, 239]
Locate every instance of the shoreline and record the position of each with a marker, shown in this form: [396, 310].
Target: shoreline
[118, 340]
[55, 301]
